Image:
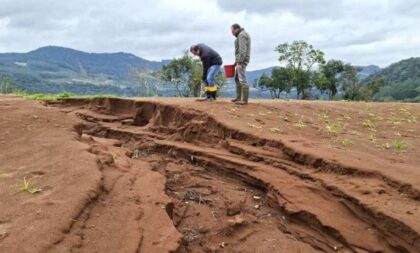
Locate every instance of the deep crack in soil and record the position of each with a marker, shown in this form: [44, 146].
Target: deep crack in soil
[225, 190]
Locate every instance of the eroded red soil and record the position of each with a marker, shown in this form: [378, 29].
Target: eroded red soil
[173, 175]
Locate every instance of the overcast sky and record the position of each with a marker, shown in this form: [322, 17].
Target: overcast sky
[357, 31]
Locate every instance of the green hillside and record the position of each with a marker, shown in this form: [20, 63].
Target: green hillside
[402, 81]
[57, 69]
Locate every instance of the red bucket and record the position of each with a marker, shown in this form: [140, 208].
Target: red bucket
[229, 71]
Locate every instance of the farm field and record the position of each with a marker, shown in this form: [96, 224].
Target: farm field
[178, 175]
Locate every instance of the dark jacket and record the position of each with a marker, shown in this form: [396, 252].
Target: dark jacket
[242, 48]
[209, 57]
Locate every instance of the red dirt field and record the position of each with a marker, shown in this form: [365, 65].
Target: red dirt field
[178, 175]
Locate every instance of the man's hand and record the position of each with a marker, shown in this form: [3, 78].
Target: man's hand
[238, 66]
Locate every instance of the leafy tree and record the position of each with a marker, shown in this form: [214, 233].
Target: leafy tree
[299, 58]
[327, 79]
[371, 88]
[264, 82]
[356, 90]
[279, 82]
[185, 73]
[147, 85]
[350, 83]
[7, 86]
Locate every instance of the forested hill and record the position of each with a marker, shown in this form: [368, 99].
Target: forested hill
[402, 71]
[57, 69]
[402, 81]
[56, 59]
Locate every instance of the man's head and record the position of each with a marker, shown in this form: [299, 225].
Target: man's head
[236, 29]
[195, 50]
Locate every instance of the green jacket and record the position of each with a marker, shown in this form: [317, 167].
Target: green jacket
[243, 48]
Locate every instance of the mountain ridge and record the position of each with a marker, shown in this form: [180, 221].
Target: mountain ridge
[52, 69]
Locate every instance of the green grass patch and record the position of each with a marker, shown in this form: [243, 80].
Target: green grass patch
[299, 124]
[324, 117]
[346, 143]
[28, 187]
[333, 129]
[43, 96]
[399, 144]
[275, 130]
[369, 124]
[256, 126]
[63, 95]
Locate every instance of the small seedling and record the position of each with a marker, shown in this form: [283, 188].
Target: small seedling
[332, 129]
[346, 142]
[28, 187]
[369, 124]
[324, 117]
[396, 123]
[300, 124]
[412, 120]
[252, 125]
[275, 130]
[384, 146]
[405, 111]
[399, 144]
[114, 157]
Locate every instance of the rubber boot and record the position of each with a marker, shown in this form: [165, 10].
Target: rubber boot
[209, 96]
[214, 95]
[245, 95]
[238, 93]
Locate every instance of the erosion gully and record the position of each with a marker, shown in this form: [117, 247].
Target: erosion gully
[222, 189]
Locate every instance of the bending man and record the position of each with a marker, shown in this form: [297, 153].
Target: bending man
[211, 67]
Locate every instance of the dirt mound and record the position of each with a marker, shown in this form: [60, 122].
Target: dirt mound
[170, 178]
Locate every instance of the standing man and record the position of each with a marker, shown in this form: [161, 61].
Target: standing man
[211, 67]
[242, 57]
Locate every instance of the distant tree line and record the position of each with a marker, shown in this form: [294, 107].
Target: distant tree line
[408, 91]
[305, 68]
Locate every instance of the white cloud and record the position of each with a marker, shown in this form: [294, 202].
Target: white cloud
[357, 31]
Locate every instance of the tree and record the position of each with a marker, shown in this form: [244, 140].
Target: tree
[148, 83]
[354, 89]
[299, 58]
[327, 78]
[185, 73]
[279, 82]
[7, 86]
[350, 83]
[371, 88]
[264, 82]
